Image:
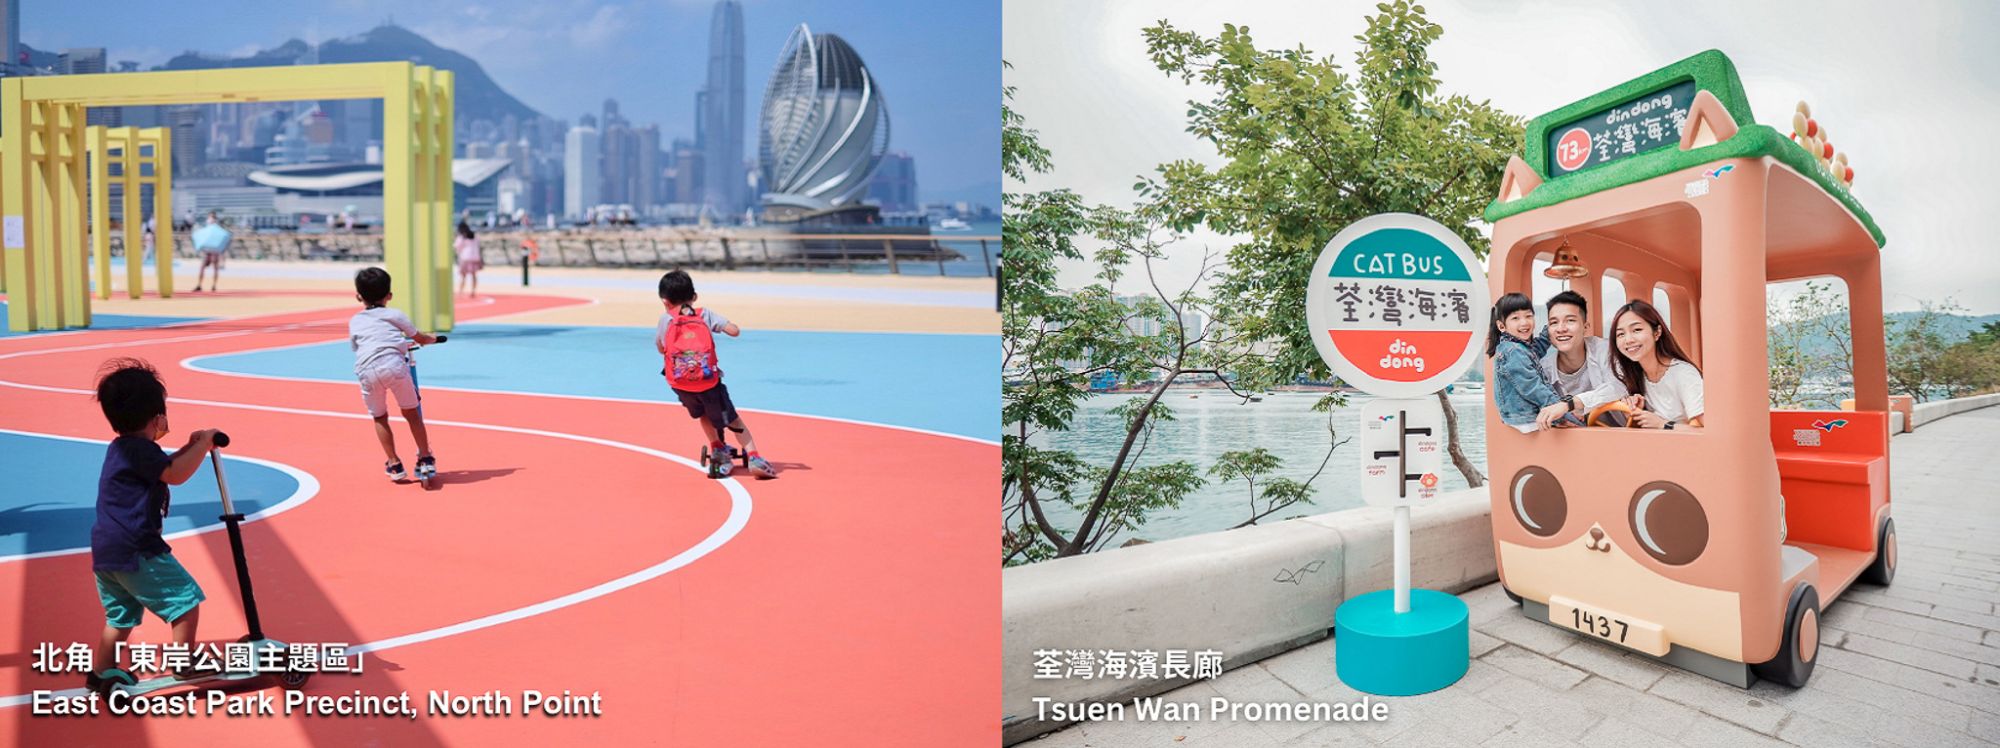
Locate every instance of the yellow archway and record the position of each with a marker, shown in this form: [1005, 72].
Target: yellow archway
[43, 174]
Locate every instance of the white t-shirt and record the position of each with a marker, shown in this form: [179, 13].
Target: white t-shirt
[1677, 396]
[1592, 384]
[714, 321]
[380, 337]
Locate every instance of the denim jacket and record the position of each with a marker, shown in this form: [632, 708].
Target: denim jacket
[1518, 387]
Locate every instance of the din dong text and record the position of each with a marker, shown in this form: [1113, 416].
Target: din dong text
[1402, 356]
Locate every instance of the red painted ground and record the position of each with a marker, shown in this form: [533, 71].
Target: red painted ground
[858, 606]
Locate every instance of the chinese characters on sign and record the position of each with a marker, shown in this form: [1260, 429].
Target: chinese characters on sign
[233, 657]
[1388, 303]
[1119, 664]
[1397, 305]
[1629, 128]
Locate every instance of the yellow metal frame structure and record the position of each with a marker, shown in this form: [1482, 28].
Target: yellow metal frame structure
[131, 150]
[44, 171]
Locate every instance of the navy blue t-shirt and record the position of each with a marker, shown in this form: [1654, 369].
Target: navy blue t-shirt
[130, 495]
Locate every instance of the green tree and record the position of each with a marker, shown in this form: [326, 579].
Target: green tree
[1309, 147]
[1809, 340]
[1919, 360]
[1054, 340]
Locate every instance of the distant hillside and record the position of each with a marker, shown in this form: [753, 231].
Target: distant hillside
[478, 96]
[1955, 328]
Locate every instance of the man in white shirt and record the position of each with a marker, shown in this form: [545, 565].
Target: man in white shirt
[1577, 364]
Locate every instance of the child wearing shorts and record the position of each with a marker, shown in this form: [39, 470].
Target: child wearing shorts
[135, 568]
[380, 337]
[691, 370]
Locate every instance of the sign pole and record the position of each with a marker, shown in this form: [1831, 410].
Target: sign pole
[1402, 537]
[1396, 306]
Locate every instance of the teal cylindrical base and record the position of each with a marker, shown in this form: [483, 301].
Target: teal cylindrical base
[1379, 651]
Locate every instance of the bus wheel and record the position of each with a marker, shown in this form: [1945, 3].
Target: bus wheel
[1799, 650]
[1883, 571]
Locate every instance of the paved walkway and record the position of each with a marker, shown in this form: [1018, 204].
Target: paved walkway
[1916, 664]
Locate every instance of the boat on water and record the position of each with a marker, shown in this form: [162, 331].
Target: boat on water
[951, 224]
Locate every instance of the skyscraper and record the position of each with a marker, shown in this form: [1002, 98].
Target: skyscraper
[86, 61]
[825, 125]
[720, 109]
[646, 178]
[580, 173]
[895, 184]
[10, 35]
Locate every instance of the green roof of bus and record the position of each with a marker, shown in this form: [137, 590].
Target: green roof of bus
[1712, 72]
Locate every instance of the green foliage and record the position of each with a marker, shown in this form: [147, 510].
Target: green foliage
[1055, 339]
[1809, 340]
[1924, 362]
[1308, 147]
[1251, 465]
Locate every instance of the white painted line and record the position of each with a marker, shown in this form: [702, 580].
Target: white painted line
[308, 488]
[739, 516]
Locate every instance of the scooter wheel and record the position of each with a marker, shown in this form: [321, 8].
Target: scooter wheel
[704, 456]
[293, 680]
[1883, 570]
[102, 685]
[1798, 651]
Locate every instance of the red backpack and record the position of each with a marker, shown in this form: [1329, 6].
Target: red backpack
[690, 351]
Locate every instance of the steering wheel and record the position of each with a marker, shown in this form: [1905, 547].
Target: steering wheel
[1615, 414]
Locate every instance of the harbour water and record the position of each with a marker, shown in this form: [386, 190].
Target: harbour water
[1210, 422]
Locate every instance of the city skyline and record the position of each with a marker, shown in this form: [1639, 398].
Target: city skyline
[939, 56]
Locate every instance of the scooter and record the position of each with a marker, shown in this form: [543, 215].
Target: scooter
[121, 680]
[426, 473]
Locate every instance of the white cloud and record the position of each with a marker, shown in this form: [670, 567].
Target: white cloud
[1900, 87]
[602, 26]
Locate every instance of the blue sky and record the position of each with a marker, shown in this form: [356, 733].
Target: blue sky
[937, 61]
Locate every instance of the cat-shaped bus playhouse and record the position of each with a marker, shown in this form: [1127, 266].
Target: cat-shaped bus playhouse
[1710, 549]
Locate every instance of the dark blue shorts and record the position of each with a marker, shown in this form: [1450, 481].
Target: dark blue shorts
[712, 403]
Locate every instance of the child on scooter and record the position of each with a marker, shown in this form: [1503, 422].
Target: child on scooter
[135, 568]
[685, 339]
[380, 337]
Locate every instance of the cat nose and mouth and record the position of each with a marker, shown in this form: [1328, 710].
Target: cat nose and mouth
[1597, 541]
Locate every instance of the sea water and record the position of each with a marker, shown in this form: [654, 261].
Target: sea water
[1209, 422]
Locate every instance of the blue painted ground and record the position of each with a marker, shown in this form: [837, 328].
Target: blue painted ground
[106, 321]
[49, 498]
[942, 383]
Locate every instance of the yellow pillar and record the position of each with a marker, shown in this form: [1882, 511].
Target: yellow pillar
[163, 209]
[100, 206]
[68, 208]
[42, 148]
[443, 228]
[14, 206]
[134, 224]
[423, 299]
[397, 185]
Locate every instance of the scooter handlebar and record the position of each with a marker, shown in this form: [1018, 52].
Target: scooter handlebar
[442, 338]
[220, 439]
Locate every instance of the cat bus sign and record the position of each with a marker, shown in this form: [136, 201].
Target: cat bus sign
[1397, 305]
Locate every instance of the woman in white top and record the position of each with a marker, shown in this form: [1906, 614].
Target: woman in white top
[469, 260]
[1652, 367]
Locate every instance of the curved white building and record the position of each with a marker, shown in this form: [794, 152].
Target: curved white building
[824, 127]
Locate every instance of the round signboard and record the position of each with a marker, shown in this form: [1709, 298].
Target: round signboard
[1397, 305]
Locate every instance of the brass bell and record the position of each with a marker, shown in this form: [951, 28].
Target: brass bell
[1567, 265]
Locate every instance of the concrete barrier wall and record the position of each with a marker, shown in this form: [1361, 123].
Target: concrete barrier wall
[1248, 593]
[1926, 412]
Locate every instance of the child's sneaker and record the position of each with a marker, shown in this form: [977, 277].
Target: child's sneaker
[101, 682]
[395, 471]
[761, 469]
